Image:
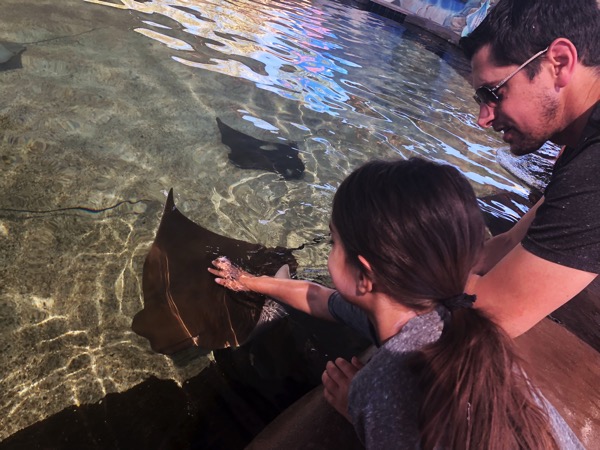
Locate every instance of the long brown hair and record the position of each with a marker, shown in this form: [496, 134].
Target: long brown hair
[418, 225]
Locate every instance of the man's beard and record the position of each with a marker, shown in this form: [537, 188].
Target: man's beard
[524, 144]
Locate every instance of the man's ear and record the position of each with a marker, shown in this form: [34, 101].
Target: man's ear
[562, 54]
[365, 281]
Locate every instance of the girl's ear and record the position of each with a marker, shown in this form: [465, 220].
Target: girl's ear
[365, 280]
[365, 263]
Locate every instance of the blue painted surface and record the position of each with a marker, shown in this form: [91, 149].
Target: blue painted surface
[449, 5]
[444, 12]
[452, 7]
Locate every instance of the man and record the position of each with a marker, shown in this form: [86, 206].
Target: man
[536, 69]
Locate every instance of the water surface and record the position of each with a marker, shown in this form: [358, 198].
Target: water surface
[117, 102]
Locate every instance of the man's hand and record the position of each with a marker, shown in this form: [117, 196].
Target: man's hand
[336, 382]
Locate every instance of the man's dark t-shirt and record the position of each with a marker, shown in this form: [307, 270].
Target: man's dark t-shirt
[566, 228]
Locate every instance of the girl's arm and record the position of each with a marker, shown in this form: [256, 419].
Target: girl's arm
[305, 296]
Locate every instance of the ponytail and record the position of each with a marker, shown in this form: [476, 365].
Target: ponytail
[476, 394]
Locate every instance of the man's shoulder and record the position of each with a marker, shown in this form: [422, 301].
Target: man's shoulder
[566, 227]
[582, 154]
[591, 133]
[595, 117]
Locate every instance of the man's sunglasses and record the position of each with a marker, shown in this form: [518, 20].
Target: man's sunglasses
[489, 96]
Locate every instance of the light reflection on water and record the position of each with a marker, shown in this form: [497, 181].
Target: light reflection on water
[125, 108]
[399, 83]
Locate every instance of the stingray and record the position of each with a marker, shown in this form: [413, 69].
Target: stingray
[10, 56]
[248, 152]
[183, 306]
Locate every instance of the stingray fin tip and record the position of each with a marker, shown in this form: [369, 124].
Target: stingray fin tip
[170, 204]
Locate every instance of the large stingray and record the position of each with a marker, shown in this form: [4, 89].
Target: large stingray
[248, 152]
[183, 306]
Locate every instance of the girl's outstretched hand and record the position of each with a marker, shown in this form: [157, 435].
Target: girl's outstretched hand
[229, 275]
[336, 383]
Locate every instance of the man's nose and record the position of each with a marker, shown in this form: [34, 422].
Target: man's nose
[486, 116]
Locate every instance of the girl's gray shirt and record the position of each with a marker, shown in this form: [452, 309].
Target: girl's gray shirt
[384, 396]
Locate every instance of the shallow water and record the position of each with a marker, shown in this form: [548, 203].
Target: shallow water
[116, 103]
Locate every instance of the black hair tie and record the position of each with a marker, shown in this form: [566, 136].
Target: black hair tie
[459, 301]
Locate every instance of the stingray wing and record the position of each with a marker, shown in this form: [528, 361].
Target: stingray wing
[183, 306]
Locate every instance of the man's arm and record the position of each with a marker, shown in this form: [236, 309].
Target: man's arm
[523, 288]
[518, 289]
[498, 247]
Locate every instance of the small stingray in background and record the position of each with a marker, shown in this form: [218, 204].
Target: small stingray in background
[248, 152]
[183, 306]
[10, 56]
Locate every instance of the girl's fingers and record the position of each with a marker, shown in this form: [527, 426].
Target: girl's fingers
[336, 384]
[221, 262]
[328, 395]
[215, 271]
[334, 372]
[345, 366]
[327, 378]
[357, 363]
[339, 373]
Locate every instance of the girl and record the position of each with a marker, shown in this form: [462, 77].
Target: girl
[405, 235]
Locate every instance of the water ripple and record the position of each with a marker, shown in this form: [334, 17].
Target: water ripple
[296, 50]
[331, 59]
